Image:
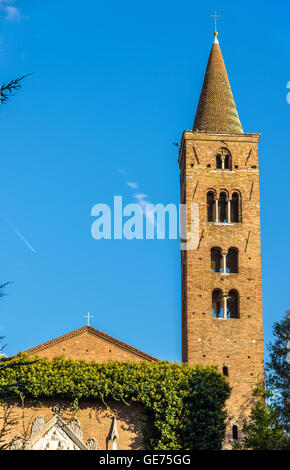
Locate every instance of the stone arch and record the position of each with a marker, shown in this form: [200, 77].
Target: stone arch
[213, 190]
[224, 190]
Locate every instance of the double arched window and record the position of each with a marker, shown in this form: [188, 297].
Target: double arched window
[224, 159]
[225, 305]
[224, 262]
[223, 208]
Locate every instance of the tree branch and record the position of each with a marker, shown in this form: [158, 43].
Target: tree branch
[7, 89]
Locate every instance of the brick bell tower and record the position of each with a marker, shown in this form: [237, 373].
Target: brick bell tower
[221, 278]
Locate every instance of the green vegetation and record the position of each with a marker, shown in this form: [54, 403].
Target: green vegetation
[184, 405]
[278, 369]
[262, 430]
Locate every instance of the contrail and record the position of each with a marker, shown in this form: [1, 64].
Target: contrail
[19, 234]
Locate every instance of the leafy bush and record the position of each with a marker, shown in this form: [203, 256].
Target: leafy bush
[184, 404]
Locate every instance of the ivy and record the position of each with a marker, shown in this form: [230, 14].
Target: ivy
[184, 405]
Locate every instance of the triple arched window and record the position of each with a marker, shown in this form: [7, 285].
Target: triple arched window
[222, 208]
[224, 262]
[225, 305]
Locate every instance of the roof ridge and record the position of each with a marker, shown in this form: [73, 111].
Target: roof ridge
[95, 332]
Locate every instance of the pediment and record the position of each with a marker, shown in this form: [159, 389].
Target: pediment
[90, 344]
[55, 435]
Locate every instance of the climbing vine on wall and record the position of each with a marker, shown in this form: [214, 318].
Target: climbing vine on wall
[184, 405]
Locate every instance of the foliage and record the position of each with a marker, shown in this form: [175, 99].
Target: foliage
[278, 369]
[2, 293]
[8, 420]
[262, 430]
[2, 347]
[2, 287]
[7, 88]
[184, 405]
[6, 91]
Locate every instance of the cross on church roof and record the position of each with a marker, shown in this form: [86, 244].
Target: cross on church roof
[88, 316]
[215, 16]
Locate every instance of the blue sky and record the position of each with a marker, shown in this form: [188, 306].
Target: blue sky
[114, 84]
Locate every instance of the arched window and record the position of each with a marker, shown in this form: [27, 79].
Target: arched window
[225, 305]
[232, 260]
[217, 304]
[235, 203]
[224, 159]
[216, 259]
[223, 207]
[218, 162]
[225, 371]
[210, 206]
[233, 304]
[228, 162]
[235, 432]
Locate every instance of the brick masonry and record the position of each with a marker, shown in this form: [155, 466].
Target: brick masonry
[95, 419]
[236, 343]
[89, 344]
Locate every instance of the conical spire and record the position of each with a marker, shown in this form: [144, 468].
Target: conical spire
[216, 111]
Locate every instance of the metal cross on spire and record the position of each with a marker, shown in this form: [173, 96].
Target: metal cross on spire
[88, 317]
[215, 16]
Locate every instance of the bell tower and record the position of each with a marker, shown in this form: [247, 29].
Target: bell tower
[221, 278]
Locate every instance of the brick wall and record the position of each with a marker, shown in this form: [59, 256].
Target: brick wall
[94, 417]
[236, 343]
[90, 344]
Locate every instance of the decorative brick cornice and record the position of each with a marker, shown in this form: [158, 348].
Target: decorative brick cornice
[98, 334]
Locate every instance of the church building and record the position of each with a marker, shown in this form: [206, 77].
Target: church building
[221, 296]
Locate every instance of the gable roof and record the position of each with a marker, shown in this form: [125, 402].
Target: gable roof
[97, 333]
